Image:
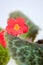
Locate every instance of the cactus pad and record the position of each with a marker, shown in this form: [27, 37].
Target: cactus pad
[24, 52]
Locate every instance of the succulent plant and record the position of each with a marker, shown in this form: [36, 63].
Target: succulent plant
[33, 29]
[24, 52]
[21, 49]
[4, 55]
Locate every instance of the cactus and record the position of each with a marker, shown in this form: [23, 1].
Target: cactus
[21, 49]
[33, 29]
[24, 52]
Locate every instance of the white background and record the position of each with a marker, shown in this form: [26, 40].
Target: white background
[32, 8]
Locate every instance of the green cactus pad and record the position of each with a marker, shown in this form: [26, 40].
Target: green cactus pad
[24, 52]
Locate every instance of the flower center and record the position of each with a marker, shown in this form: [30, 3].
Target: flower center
[16, 27]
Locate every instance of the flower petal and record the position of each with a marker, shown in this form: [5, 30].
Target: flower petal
[2, 39]
[11, 21]
[25, 28]
[9, 29]
[3, 43]
[20, 20]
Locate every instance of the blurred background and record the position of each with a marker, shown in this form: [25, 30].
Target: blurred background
[31, 8]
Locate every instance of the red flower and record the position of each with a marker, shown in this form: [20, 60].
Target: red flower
[2, 39]
[16, 26]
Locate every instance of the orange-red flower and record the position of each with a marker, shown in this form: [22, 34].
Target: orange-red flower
[16, 26]
[2, 39]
